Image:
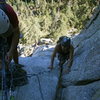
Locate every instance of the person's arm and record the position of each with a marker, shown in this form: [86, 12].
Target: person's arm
[53, 57]
[15, 24]
[71, 56]
[15, 41]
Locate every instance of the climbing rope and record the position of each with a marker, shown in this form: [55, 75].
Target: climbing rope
[11, 90]
[40, 88]
[31, 75]
[59, 85]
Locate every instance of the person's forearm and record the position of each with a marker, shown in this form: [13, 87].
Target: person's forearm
[71, 56]
[52, 60]
[53, 57]
[15, 40]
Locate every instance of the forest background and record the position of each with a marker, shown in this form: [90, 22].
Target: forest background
[51, 18]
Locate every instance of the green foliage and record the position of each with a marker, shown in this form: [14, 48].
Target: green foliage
[51, 18]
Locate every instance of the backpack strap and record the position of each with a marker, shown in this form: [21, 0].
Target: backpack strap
[3, 6]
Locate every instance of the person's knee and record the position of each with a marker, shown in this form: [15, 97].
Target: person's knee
[0, 61]
[15, 53]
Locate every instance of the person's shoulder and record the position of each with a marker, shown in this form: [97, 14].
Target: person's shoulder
[12, 16]
[57, 47]
[9, 8]
[8, 5]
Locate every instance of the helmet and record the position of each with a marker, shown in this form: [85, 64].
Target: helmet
[65, 41]
[4, 22]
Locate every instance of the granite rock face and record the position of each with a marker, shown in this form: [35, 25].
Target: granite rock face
[83, 82]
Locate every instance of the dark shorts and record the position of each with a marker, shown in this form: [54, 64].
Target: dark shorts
[7, 38]
[7, 44]
[62, 58]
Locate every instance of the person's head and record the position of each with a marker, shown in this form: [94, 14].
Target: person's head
[65, 43]
[4, 22]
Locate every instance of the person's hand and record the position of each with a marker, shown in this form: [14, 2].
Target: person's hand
[50, 67]
[67, 71]
[69, 63]
[9, 57]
